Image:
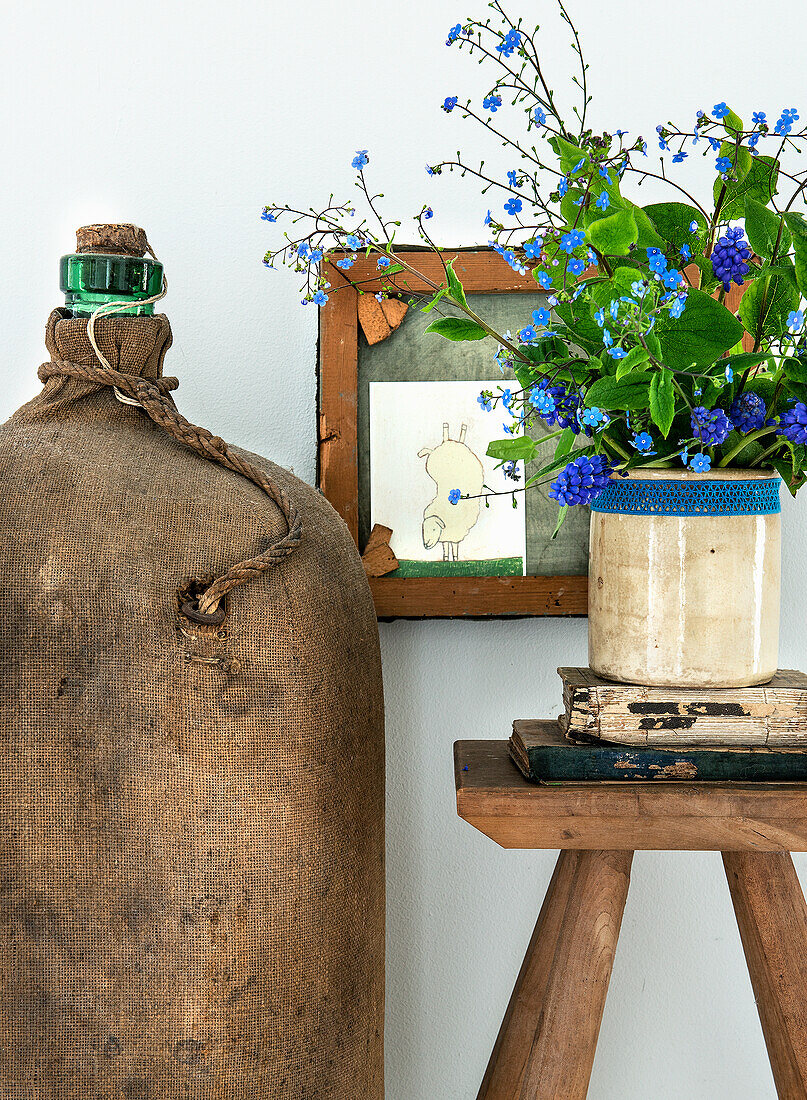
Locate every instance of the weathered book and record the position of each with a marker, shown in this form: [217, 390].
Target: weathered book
[544, 755]
[773, 714]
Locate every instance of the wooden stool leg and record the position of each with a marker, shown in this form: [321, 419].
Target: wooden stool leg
[772, 918]
[503, 1077]
[562, 1054]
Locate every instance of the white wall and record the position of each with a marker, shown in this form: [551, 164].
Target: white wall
[187, 118]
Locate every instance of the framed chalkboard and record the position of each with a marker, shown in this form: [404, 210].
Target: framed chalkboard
[377, 374]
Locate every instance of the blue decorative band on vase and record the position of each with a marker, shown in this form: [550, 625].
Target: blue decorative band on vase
[668, 497]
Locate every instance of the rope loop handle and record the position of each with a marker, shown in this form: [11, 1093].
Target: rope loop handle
[155, 400]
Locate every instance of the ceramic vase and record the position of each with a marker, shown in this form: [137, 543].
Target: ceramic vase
[684, 578]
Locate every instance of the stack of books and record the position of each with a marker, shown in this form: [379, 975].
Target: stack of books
[626, 732]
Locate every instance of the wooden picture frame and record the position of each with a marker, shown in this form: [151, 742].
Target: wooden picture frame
[482, 271]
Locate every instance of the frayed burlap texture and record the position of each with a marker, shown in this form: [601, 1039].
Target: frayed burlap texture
[191, 850]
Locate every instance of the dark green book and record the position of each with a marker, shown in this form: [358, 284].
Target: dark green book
[543, 755]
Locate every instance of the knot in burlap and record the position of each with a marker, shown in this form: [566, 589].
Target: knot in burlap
[153, 396]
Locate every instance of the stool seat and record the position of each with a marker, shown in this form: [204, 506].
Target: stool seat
[546, 1044]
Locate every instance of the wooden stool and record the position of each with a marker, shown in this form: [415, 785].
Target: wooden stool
[546, 1044]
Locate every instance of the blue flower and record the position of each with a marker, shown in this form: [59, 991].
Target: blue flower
[592, 417]
[492, 103]
[759, 118]
[527, 334]
[643, 442]
[360, 159]
[671, 279]
[617, 353]
[544, 280]
[315, 255]
[532, 249]
[685, 252]
[485, 402]
[542, 400]
[512, 178]
[510, 42]
[657, 261]
[753, 140]
[576, 266]
[604, 201]
[599, 317]
[578, 166]
[563, 186]
[454, 33]
[723, 164]
[383, 261]
[454, 496]
[729, 374]
[729, 257]
[320, 298]
[570, 241]
[513, 206]
[679, 157]
[430, 171]
[449, 103]
[785, 123]
[693, 227]
[581, 480]
[793, 423]
[346, 262]
[428, 213]
[747, 412]
[539, 116]
[267, 215]
[607, 338]
[795, 320]
[540, 316]
[603, 170]
[352, 241]
[710, 426]
[720, 110]
[507, 398]
[700, 463]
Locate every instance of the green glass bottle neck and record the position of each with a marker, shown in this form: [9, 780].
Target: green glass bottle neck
[93, 279]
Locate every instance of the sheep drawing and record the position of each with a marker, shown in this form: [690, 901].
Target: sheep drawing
[452, 465]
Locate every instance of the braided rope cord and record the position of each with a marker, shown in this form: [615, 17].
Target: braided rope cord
[155, 400]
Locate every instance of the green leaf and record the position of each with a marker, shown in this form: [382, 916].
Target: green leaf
[743, 360]
[632, 361]
[730, 149]
[577, 318]
[428, 308]
[762, 227]
[454, 285]
[564, 508]
[648, 236]
[614, 235]
[630, 392]
[760, 184]
[513, 449]
[457, 328]
[765, 305]
[662, 401]
[701, 334]
[798, 227]
[672, 221]
[565, 442]
[795, 370]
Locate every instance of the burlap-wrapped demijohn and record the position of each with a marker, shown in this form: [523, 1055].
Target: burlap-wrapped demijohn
[192, 813]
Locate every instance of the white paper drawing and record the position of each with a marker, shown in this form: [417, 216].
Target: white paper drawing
[429, 440]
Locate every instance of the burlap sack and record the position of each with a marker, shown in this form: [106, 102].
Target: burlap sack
[191, 881]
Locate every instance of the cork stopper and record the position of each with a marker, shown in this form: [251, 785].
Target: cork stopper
[117, 239]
